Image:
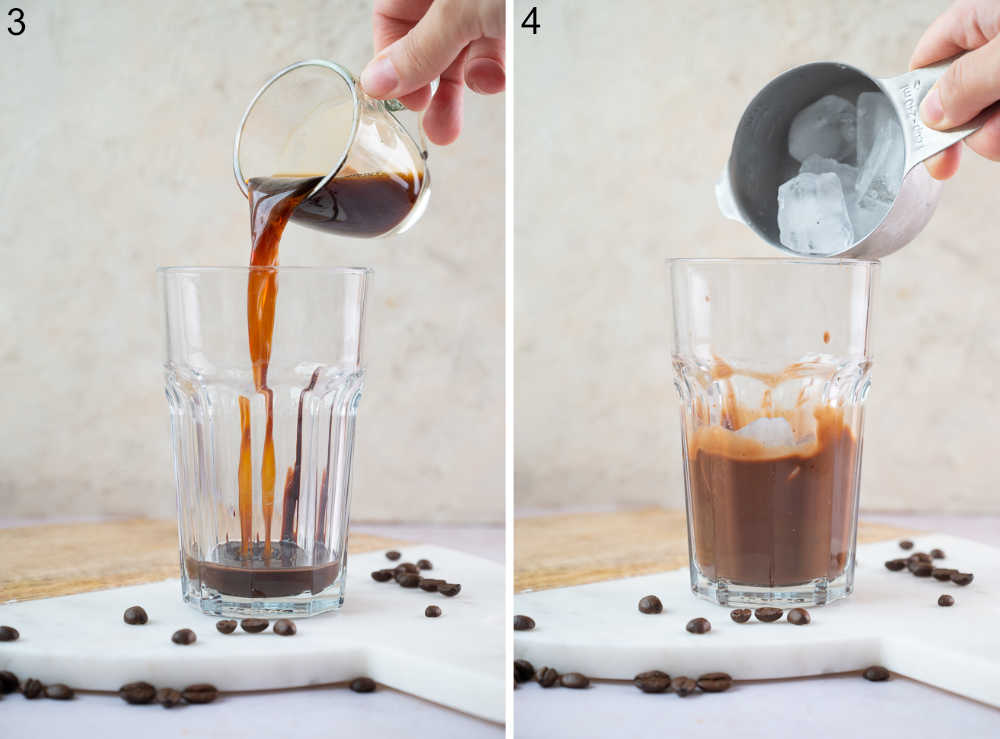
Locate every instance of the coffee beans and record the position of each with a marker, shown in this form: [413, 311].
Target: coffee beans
[184, 636]
[168, 697]
[137, 694]
[424, 564]
[799, 616]
[919, 557]
[59, 692]
[906, 544]
[407, 575]
[961, 578]
[363, 685]
[715, 682]
[9, 633]
[937, 554]
[432, 611]
[683, 686]
[382, 575]
[768, 614]
[285, 627]
[740, 615]
[922, 569]
[698, 626]
[946, 600]
[32, 688]
[876, 674]
[574, 680]
[942, 574]
[8, 682]
[200, 693]
[408, 579]
[430, 584]
[226, 626]
[652, 681]
[523, 670]
[547, 677]
[523, 623]
[895, 564]
[450, 589]
[405, 567]
[650, 604]
[393, 555]
[253, 625]
[135, 616]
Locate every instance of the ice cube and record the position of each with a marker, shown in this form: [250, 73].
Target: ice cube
[769, 432]
[827, 128]
[881, 171]
[813, 216]
[874, 109]
[847, 173]
[865, 215]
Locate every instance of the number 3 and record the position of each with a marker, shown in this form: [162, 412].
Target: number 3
[19, 21]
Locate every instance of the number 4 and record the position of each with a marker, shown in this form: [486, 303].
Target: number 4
[531, 20]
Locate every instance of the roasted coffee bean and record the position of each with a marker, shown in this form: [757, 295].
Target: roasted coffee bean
[408, 580]
[906, 544]
[226, 626]
[430, 584]
[135, 616]
[424, 564]
[650, 604]
[523, 670]
[32, 688]
[876, 674]
[547, 677]
[942, 574]
[920, 556]
[699, 626]
[254, 625]
[683, 686]
[946, 600]
[922, 569]
[450, 589]
[715, 682]
[768, 614]
[432, 611]
[574, 680]
[393, 555]
[168, 697]
[285, 627]
[937, 554]
[405, 567]
[961, 578]
[8, 682]
[363, 685]
[382, 575]
[200, 693]
[59, 692]
[895, 564]
[9, 633]
[184, 636]
[523, 623]
[799, 616]
[137, 694]
[652, 681]
[740, 615]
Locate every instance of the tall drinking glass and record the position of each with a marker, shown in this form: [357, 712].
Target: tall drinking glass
[772, 361]
[248, 546]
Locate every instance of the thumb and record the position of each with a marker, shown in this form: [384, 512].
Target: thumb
[969, 85]
[422, 54]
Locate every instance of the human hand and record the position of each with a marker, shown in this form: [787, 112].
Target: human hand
[970, 85]
[417, 41]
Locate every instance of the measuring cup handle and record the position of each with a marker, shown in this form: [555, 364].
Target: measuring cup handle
[907, 91]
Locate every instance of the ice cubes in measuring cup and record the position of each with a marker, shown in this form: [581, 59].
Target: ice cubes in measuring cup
[848, 174]
[881, 149]
[813, 217]
[827, 128]
[769, 432]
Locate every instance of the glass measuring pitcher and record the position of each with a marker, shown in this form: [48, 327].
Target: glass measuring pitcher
[313, 121]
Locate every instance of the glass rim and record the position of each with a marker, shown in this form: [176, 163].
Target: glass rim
[277, 268]
[821, 261]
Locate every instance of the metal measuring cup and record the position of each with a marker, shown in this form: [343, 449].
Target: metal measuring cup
[760, 162]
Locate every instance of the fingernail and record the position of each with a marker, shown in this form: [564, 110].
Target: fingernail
[931, 110]
[379, 78]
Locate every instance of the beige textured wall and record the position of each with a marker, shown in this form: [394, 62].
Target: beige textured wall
[624, 117]
[116, 125]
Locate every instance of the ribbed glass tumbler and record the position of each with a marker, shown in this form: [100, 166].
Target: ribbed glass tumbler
[262, 455]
